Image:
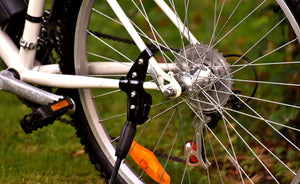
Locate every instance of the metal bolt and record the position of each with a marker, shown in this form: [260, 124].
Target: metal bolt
[141, 61]
[169, 92]
[132, 107]
[134, 75]
[133, 94]
[171, 74]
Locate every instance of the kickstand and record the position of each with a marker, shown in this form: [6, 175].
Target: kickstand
[138, 106]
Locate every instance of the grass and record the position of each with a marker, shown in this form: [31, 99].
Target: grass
[49, 155]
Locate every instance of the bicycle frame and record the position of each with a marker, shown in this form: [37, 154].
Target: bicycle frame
[23, 59]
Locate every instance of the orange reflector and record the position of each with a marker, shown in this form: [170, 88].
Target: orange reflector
[149, 163]
[60, 105]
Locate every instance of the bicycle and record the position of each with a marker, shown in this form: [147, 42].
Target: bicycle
[223, 91]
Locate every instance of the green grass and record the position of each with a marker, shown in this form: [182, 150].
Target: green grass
[45, 156]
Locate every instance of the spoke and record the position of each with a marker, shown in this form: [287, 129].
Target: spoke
[260, 82]
[249, 115]
[249, 133]
[215, 158]
[263, 37]
[228, 135]
[105, 43]
[232, 29]
[155, 34]
[161, 136]
[182, 28]
[266, 64]
[153, 30]
[171, 150]
[208, 177]
[154, 42]
[260, 99]
[112, 117]
[145, 127]
[164, 102]
[249, 146]
[250, 108]
[261, 64]
[226, 113]
[254, 45]
[224, 119]
[140, 31]
[184, 141]
[257, 114]
[226, 150]
[103, 14]
[249, 64]
[164, 130]
[164, 111]
[258, 118]
[231, 145]
[181, 34]
[230, 16]
[108, 93]
[106, 58]
[186, 22]
[235, 158]
[256, 156]
[216, 22]
[156, 114]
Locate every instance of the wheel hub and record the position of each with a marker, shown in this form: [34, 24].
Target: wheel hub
[204, 76]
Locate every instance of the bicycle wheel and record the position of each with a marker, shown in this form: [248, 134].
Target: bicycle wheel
[244, 117]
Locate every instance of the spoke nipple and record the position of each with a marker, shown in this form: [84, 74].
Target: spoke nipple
[133, 94]
[134, 75]
[141, 61]
[132, 107]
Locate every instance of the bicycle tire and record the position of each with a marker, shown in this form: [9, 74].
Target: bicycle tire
[96, 135]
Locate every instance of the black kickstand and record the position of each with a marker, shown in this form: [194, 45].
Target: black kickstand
[138, 106]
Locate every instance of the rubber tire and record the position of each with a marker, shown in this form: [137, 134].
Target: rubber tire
[79, 120]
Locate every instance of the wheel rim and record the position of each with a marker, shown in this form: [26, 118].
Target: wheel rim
[231, 127]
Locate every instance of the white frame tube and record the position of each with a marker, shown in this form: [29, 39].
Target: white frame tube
[156, 72]
[30, 35]
[74, 81]
[176, 21]
[23, 60]
[8, 50]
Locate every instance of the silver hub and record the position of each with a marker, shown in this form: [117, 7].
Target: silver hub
[204, 76]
